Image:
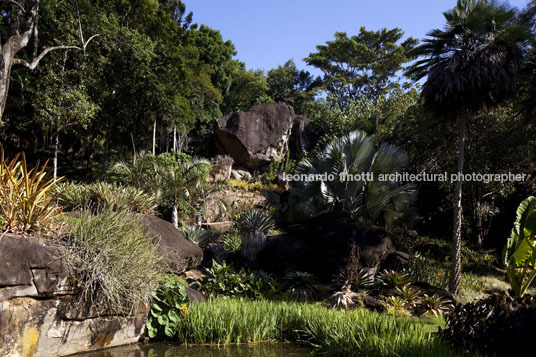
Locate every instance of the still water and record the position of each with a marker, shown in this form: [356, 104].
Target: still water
[170, 350]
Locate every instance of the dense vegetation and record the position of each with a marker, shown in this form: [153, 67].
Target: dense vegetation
[121, 104]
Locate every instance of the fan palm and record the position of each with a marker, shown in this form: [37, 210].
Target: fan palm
[369, 199]
[469, 66]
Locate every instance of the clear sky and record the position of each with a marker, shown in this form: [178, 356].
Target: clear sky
[267, 33]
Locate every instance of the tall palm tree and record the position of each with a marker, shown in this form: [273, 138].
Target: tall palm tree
[470, 65]
[368, 198]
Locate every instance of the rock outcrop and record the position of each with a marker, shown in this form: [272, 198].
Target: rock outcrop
[178, 252]
[303, 137]
[256, 136]
[36, 292]
[322, 244]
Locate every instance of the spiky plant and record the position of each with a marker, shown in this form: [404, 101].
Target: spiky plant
[409, 294]
[231, 241]
[361, 281]
[395, 305]
[372, 199]
[28, 198]
[436, 304]
[254, 225]
[198, 235]
[392, 279]
[302, 286]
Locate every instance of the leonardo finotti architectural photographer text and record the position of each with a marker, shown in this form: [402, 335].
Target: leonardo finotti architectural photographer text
[407, 177]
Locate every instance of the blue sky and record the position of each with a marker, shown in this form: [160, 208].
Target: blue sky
[267, 33]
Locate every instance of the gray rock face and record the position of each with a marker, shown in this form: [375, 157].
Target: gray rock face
[179, 253]
[35, 292]
[303, 138]
[256, 136]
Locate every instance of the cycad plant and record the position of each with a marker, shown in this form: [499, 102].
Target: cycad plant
[254, 225]
[359, 184]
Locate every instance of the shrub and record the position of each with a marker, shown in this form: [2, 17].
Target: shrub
[170, 303]
[392, 279]
[114, 259]
[223, 280]
[104, 196]
[499, 325]
[27, 197]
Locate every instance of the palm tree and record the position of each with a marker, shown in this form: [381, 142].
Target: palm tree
[470, 65]
[349, 160]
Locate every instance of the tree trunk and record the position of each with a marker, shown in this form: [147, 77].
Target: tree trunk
[456, 269]
[56, 147]
[175, 216]
[154, 138]
[252, 244]
[174, 139]
[5, 74]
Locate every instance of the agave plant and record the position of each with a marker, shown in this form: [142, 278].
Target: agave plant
[396, 305]
[409, 294]
[28, 198]
[436, 304]
[392, 279]
[361, 281]
[302, 286]
[198, 235]
[352, 167]
[254, 225]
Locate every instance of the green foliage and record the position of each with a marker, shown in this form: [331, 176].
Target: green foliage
[277, 168]
[436, 304]
[256, 221]
[115, 261]
[361, 281]
[500, 325]
[409, 294]
[27, 197]
[396, 305]
[104, 196]
[198, 235]
[371, 200]
[392, 279]
[169, 304]
[223, 280]
[301, 286]
[333, 332]
[361, 65]
[231, 241]
[519, 254]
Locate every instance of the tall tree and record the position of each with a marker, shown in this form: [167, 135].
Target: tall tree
[361, 65]
[469, 66]
[19, 25]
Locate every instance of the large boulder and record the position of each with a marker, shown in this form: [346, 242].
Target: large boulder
[37, 298]
[256, 136]
[303, 137]
[178, 252]
[323, 244]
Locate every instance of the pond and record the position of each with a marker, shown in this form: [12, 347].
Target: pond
[169, 350]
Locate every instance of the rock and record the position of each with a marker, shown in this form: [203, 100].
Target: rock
[195, 296]
[256, 136]
[395, 261]
[373, 303]
[179, 253]
[303, 137]
[214, 251]
[39, 305]
[238, 174]
[222, 166]
[322, 244]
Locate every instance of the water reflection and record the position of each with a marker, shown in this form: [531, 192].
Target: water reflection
[169, 350]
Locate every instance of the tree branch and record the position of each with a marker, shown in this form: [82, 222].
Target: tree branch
[33, 65]
[17, 4]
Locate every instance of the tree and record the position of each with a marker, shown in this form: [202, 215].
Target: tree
[355, 185]
[361, 65]
[19, 25]
[469, 66]
[288, 84]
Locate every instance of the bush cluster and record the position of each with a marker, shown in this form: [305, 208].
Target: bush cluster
[500, 325]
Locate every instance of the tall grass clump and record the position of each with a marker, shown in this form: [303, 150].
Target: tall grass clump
[114, 259]
[105, 196]
[333, 332]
